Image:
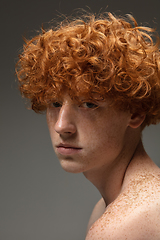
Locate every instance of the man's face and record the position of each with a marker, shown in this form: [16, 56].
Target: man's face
[86, 137]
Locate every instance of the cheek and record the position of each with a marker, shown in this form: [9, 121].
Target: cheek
[52, 116]
[104, 135]
[51, 120]
[94, 136]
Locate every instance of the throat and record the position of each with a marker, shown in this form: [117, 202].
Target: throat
[108, 182]
[111, 180]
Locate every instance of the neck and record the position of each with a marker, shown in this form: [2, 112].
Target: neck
[110, 180]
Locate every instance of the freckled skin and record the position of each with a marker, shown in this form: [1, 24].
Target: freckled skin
[135, 213]
[105, 144]
[97, 131]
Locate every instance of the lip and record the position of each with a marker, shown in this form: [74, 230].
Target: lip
[67, 149]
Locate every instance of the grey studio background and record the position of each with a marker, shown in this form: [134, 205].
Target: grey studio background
[38, 200]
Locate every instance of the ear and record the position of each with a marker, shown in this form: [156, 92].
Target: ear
[136, 120]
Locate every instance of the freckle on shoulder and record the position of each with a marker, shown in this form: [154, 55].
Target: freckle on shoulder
[138, 207]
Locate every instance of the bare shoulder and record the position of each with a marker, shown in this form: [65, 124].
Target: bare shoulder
[97, 212]
[134, 215]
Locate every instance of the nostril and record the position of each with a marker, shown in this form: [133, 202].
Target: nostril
[65, 129]
[63, 126]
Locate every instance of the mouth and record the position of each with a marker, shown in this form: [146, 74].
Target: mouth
[67, 149]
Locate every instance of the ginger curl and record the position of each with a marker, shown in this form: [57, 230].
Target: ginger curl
[102, 58]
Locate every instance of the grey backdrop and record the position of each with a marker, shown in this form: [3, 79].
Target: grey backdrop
[38, 199]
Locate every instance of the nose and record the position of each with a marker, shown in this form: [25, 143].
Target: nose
[65, 124]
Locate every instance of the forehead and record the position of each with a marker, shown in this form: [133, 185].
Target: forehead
[95, 98]
[77, 88]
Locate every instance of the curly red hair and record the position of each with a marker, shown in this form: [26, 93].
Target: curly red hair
[107, 57]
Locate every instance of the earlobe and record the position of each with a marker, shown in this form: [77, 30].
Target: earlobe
[136, 120]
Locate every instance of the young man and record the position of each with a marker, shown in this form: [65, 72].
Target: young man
[99, 82]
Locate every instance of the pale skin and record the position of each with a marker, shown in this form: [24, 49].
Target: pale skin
[105, 144]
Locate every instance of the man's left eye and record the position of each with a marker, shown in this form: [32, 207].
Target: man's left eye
[90, 105]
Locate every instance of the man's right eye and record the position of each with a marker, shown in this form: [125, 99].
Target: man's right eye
[56, 104]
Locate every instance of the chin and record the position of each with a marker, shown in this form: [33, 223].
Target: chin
[69, 166]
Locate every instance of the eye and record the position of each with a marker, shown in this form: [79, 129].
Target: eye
[56, 104]
[89, 105]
